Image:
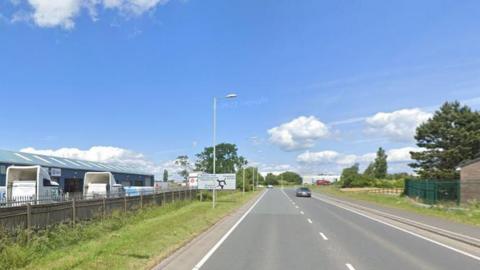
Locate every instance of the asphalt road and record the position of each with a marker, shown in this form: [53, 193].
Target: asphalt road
[285, 232]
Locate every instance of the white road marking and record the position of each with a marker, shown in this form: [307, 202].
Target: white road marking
[220, 242]
[296, 206]
[323, 236]
[403, 230]
[349, 266]
[301, 212]
[309, 221]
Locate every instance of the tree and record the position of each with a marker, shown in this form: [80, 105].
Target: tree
[451, 136]
[227, 159]
[290, 177]
[370, 170]
[271, 179]
[249, 172]
[165, 176]
[349, 175]
[184, 163]
[380, 164]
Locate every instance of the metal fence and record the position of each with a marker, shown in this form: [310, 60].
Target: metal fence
[386, 191]
[41, 214]
[433, 191]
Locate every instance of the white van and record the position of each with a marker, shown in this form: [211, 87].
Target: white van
[31, 184]
[101, 184]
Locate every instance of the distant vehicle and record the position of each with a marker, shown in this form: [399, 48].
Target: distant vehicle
[323, 183]
[269, 186]
[101, 184]
[30, 184]
[303, 192]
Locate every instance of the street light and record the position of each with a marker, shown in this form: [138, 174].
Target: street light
[229, 96]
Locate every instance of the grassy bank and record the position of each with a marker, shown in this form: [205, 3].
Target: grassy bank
[467, 214]
[135, 241]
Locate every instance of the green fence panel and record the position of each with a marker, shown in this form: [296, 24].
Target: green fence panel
[433, 191]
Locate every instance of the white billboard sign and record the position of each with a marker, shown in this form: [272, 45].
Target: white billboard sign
[218, 181]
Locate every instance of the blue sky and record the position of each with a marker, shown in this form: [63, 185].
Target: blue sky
[140, 76]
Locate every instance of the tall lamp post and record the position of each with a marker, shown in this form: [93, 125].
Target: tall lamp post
[229, 96]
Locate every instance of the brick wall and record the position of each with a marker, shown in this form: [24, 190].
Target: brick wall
[470, 182]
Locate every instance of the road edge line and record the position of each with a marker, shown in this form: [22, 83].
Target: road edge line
[226, 235]
[402, 229]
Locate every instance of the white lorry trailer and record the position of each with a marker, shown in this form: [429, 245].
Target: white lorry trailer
[101, 184]
[30, 184]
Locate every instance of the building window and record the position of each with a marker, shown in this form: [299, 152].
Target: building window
[148, 181]
[3, 170]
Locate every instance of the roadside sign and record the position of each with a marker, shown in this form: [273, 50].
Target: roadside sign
[218, 181]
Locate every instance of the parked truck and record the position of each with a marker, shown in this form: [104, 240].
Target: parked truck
[101, 184]
[30, 184]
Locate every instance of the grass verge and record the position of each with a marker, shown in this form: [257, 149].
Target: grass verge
[135, 241]
[467, 215]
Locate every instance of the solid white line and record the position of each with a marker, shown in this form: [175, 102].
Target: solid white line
[301, 212]
[349, 266]
[220, 242]
[309, 221]
[403, 230]
[412, 221]
[323, 236]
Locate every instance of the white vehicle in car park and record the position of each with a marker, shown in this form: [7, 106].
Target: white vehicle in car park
[3, 195]
[101, 184]
[30, 184]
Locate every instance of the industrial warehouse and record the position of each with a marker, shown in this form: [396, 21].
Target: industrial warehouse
[70, 173]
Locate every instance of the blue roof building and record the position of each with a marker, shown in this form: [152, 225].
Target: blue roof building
[69, 173]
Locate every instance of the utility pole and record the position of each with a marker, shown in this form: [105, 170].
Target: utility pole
[214, 146]
[243, 189]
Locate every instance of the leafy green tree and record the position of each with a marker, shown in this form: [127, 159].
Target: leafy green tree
[165, 176]
[291, 177]
[370, 170]
[227, 159]
[380, 164]
[451, 136]
[349, 175]
[249, 172]
[271, 179]
[184, 163]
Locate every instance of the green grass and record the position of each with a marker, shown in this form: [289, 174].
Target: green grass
[135, 241]
[468, 214]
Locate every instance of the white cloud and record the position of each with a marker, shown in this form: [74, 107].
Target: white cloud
[398, 125]
[51, 13]
[300, 133]
[62, 13]
[397, 155]
[402, 154]
[109, 154]
[318, 157]
[135, 7]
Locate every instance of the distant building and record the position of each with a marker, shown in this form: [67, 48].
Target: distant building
[470, 180]
[312, 179]
[69, 173]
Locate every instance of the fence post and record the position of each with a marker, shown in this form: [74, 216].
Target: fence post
[29, 219]
[154, 197]
[104, 208]
[173, 196]
[125, 203]
[141, 200]
[74, 211]
[164, 201]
